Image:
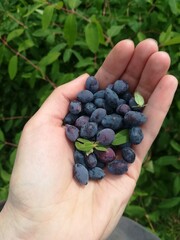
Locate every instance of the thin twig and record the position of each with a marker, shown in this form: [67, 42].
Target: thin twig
[9, 144]
[16, 20]
[13, 118]
[37, 68]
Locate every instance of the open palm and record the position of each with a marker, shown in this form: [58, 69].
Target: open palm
[44, 197]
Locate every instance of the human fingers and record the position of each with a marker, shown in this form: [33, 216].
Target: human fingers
[156, 110]
[142, 53]
[155, 68]
[115, 63]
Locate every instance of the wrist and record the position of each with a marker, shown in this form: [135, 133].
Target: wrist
[8, 229]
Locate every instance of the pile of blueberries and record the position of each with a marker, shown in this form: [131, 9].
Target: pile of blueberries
[98, 115]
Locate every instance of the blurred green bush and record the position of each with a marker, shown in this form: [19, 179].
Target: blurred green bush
[44, 44]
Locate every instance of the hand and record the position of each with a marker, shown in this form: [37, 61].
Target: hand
[44, 199]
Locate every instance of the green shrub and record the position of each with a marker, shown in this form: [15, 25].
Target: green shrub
[47, 43]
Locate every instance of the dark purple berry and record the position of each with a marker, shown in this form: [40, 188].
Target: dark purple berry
[105, 136]
[81, 174]
[136, 135]
[79, 157]
[106, 156]
[134, 106]
[72, 132]
[127, 144]
[117, 167]
[101, 164]
[111, 98]
[113, 121]
[92, 84]
[96, 173]
[128, 154]
[126, 96]
[89, 130]
[75, 107]
[85, 96]
[134, 118]
[120, 86]
[80, 121]
[91, 160]
[100, 103]
[99, 94]
[89, 108]
[98, 115]
[123, 109]
[70, 118]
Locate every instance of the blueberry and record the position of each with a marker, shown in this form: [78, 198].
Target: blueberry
[99, 94]
[120, 86]
[134, 106]
[100, 102]
[110, 86]
[135, 135]
[126, 96]
[85, 96]
[117, 167]
[100, 164]
[96, 173]
[80, 121]
[75, 107]
[134, 118]
[128, 154]
[106, 156]
[92, 84]
[72, 132]
[89, 130]
[105, 136]
[127, 144]
[113, 121]
[81, 174]
[70, 118]
[79, 157]
[123, 109]
[89, 108]
[98, 115]
[91, 160]
[111, 98]
[121, 101]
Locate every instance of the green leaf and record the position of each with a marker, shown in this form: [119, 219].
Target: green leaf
[25, 45]
[83, 140]
[2, 138]
[149, 166]
[176, 185]
[84, 147]
[175, 145]
[59, 5]
[172, 41]
[121, 137]
[5, 176]
[92, 37]
[135, 211]
[47, 16]
[12, 67]
[70, 29]
[170, 203]
[168, 161]
[14, 34]
[48, 59]
[173, 6]
[74, 3]
[101, 148]
[67, 55]
[114, 30]
[139, 99]
[33, 8]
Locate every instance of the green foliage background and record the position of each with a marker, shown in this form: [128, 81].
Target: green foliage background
[47, 43]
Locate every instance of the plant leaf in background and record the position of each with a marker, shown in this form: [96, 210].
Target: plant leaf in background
[73, 3]
[47, 16]
[25, 45]
[14, 34]
[92, 37]
[70, 29]
[12, 67]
